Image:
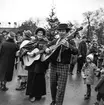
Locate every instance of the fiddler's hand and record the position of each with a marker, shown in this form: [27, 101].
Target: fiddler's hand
[65, 43]
[47, 50]
[30, 54]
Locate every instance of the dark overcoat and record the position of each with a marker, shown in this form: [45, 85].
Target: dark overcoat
[100, 85]
[7, 59]
[36, 85]
[82, 49]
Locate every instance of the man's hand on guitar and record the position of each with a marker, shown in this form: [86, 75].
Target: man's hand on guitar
[80, 56]
[65, 43]
[30, 54]
[47, 50]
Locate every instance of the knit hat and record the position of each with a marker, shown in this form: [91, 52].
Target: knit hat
[40, 29]
[91, 56]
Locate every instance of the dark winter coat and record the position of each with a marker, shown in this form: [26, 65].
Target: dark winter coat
[82, 49]
[100, 86]
[73, 57]
[65, 52]
[7, 59]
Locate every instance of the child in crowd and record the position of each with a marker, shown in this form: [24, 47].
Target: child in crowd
[88, 72]
[100, 88]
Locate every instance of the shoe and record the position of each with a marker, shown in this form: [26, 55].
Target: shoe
[24, 85]
[4, 88]
[53, 103]
[96, 103]
[38, 98]
[32, 99]
[86, 97]
[20, 88]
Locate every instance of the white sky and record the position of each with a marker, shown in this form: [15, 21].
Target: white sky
[21, 10]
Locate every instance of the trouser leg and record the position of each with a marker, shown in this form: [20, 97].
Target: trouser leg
[53, 84]
[80, 64]
[71, 67]
[62, 79]
[99, 97]
[88, 90]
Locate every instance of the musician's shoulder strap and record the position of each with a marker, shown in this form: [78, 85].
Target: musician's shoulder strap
[57, 41]
[25, 42]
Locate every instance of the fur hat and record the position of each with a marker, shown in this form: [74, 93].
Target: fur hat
[40, 29]
[90, 56]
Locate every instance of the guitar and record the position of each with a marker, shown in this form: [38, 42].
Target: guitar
[29, 58]
[32, 56]
[54, 47]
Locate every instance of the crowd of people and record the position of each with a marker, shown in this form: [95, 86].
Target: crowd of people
[33, 55]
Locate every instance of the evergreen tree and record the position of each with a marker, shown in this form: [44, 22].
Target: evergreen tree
[53, 23]
[28, 25]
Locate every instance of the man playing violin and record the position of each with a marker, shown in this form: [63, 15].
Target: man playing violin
[60, 61]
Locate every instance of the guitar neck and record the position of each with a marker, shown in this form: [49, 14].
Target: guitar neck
[41, 51]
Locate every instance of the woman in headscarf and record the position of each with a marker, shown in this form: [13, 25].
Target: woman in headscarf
[36, 86]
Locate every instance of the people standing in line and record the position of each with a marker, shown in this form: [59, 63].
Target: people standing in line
[7, 59]
[82, 48]
[36, 84]
[88, 71]
[60, 61]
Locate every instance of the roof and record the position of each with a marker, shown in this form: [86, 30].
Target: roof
[8, 29]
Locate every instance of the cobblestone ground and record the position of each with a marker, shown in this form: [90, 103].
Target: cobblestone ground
[74, 94]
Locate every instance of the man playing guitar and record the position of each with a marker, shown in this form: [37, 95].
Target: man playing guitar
[60, 60]
[36, 86]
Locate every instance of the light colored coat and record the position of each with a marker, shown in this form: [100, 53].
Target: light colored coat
[88, 72]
